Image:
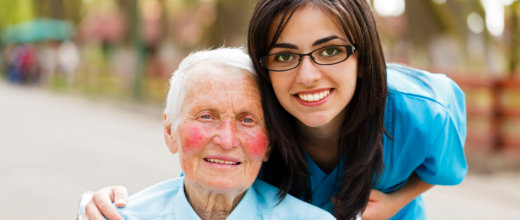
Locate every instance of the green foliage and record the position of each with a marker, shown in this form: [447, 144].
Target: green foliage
[13, 12]
[514, 43]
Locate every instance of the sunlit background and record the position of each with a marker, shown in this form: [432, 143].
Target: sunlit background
[123, 51]
[126, 49]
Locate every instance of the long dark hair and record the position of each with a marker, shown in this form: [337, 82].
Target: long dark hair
[360, 142]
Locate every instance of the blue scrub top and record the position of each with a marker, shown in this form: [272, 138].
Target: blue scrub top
[426, 117]
[167, 200]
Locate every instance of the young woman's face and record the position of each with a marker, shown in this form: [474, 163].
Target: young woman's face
[315, 94]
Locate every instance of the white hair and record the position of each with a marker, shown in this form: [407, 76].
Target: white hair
[234, 58]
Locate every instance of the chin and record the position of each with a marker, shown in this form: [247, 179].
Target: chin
[314, 121]
[315, 124]
[221, 183]
[226, 187]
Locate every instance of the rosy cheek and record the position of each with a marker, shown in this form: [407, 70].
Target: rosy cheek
[193, 138]
[256, 144]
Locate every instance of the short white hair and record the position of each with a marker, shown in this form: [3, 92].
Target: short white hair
[234, 58]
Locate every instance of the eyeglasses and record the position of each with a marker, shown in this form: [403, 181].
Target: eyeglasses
[328, 55]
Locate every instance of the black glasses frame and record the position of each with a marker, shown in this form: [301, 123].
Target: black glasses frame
[351, 49]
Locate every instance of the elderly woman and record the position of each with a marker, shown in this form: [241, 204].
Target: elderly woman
[214, 120]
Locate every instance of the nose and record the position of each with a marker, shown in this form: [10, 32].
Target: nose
[308, 72]
[226, 135]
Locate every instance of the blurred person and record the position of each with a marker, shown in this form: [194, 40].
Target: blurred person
[7, 58]
[23, 67]
[123, 65]
[29, 64]
[47, 61]
[68, 60]
[214, 120]
[335, 112]
[15, 72]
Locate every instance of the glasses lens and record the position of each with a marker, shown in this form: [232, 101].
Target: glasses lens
[281, 61]
[330, 54]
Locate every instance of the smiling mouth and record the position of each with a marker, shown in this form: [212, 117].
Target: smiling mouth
[313, 97]
[218, 161]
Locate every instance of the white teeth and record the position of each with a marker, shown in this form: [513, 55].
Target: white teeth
[221, 161]
[314, 97]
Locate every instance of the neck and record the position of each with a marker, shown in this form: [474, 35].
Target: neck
[321, 143]
[209, 204]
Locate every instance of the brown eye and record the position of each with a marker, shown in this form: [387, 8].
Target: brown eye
[284, 57]
[329, 51]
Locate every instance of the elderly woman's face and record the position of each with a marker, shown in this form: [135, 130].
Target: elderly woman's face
[221, 130]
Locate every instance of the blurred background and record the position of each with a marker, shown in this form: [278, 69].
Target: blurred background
[82, 84]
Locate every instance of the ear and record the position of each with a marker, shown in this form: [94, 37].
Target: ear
[169, 139]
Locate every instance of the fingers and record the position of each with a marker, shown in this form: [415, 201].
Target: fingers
[120, 195]
[101, 204]
[92, 212]
[84, 217]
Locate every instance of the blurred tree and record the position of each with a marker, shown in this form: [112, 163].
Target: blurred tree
[135, 26]
[426, 22]
[13, 12]
[73, 10]
[231, 24]
[49, 8]
[128, 12]
[427, 19]
[59, 9]
[164, 19]
[514, 36]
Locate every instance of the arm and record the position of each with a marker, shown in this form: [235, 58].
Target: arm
[101, 203]
[385, 205]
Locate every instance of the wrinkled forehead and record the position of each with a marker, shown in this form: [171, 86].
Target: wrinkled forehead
[210, 80]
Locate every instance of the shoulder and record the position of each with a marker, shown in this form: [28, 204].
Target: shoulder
[433, 87]
[425, 119]
[289, 208]
[417, 98]
[153, 202]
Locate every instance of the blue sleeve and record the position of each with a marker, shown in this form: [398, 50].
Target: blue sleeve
[445, 162]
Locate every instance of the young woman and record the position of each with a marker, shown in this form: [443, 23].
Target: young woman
[334, 112]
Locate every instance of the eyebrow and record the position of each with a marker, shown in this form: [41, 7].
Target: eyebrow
[317, 42]
[285, 45]
[325, 39]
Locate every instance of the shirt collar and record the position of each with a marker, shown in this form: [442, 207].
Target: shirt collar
[246, 208]
[183, 209]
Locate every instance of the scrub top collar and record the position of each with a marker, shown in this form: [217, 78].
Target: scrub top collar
[324, 185]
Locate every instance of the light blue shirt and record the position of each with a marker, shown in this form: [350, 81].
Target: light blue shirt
[167, 200]
[425, 117]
